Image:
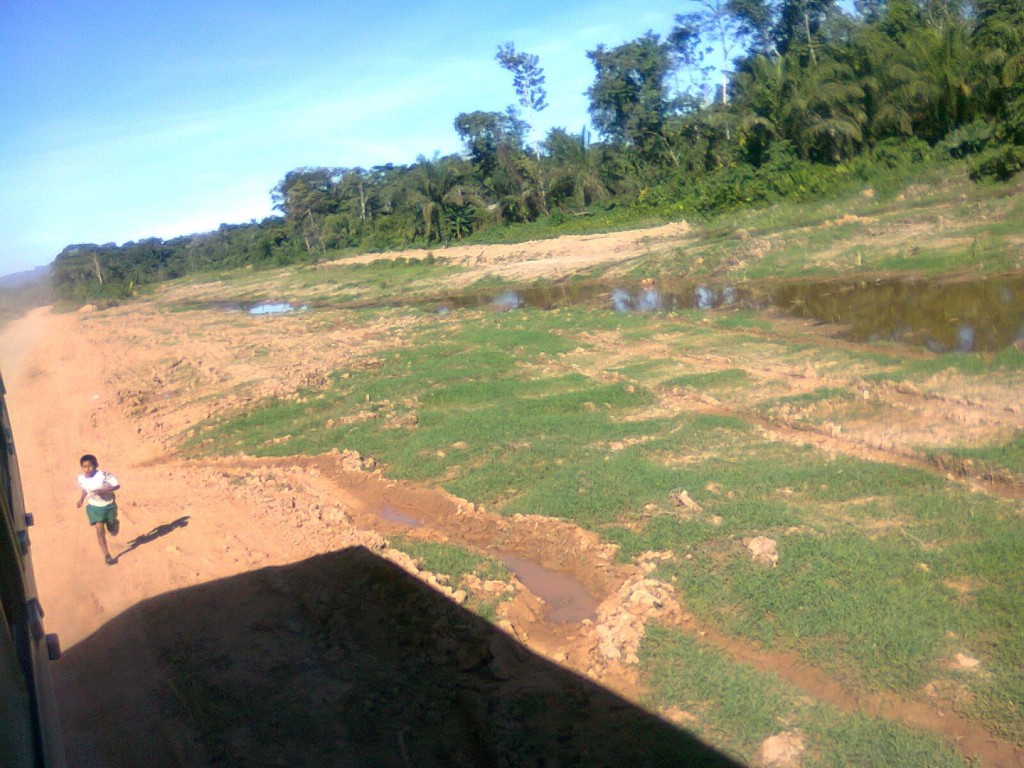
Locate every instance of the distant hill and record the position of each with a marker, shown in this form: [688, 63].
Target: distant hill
[23, 279]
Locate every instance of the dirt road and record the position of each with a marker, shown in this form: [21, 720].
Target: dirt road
[55, 376]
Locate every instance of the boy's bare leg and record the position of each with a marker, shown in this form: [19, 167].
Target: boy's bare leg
[101, 537]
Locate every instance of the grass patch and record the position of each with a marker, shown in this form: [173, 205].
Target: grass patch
[730, 377]
[884, 626]
[450, 559]
[741, 320]
[979, 567]
[738, 707]
[462, 410]
[883, 602]
[1006, 361]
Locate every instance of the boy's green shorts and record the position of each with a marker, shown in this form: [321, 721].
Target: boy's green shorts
[107, 514]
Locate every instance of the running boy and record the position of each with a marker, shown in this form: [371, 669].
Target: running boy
[98, 487]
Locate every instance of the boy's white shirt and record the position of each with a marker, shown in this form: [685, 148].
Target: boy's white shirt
[94, 483]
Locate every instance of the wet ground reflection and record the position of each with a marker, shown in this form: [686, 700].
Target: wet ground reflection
[566, 598]
[254, 307]
[952, 315]
[647, 296]
[957, 314]
[392, 515]
[980, 315]
[272, 308]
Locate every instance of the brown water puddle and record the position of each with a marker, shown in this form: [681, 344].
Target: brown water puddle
[959, 313]
[568, 601]
[971, 314]
[392, 515]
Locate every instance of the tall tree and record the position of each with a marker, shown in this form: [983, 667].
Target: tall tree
[496, 147]
[577, 169]
[999, 33]
[306, 196]
[444, 200]
[755, 22]
[689, 53]
[759, 95]
[823, 110]
[528, 80]
[629, 98]
[484, 133]
[799, 25]
[717, 22]
[306, 189]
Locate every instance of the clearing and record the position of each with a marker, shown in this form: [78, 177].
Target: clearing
[258, 614]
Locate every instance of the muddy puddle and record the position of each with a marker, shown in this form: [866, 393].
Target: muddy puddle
[272, 308]
[954, 315]
[647, 296]
[249, 307]
[392, 515]
[567, 600]
[983, 315]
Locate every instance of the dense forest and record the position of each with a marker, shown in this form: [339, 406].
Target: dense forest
[743, 102]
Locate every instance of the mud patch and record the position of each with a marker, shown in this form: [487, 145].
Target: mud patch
[566, 600]
[392, 515]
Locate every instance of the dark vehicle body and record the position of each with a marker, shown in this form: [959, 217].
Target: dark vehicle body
[29, 731]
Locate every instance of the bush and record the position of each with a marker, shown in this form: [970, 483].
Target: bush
[968, 139]
[895, 152]
[998, 164]
[789, 177]
[783, 176]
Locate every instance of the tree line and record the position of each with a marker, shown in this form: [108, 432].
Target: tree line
[742, 102]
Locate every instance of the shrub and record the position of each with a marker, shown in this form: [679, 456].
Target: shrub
[900, 151]
[998, 164]
[968, 139]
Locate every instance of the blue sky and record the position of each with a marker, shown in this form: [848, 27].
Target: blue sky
[128, 119]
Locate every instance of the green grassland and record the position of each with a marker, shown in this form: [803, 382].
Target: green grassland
[885, 572]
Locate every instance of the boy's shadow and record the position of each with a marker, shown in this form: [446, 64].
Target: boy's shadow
[156, 533]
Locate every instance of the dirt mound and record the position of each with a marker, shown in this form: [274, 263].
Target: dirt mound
[557, 257]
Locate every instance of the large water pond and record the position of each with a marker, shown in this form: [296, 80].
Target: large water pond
[953, 314]
[963, 315]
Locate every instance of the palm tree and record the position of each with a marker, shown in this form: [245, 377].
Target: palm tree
[947, 62]
[576, 169]
[438, 188]
[757, 100]
[823, 110]
[998, 36]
